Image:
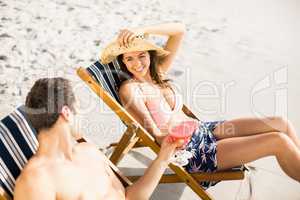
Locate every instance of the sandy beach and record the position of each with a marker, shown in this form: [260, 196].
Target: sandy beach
[238, 58]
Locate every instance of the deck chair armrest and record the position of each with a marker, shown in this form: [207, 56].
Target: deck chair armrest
[81, 140]
[124, 180]
[188, 112]
[241, 168]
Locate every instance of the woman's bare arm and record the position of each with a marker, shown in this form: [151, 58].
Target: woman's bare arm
[175, 31]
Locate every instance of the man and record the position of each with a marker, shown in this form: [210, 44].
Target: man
[65, 170]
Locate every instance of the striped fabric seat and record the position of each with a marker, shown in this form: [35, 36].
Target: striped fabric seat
[109, 76]
[17, 144]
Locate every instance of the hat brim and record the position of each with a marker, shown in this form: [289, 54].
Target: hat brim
[114, 49]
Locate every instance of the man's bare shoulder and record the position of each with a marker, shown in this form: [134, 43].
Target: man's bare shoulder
[34, 169]
[34, 177]
[89, 149]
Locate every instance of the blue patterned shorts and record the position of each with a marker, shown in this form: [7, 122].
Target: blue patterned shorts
[204, 149]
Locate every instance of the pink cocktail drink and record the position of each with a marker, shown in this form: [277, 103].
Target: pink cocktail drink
[183, 131]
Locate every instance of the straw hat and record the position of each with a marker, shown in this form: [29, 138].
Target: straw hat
[114, 49]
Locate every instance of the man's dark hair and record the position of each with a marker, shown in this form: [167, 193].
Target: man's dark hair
[45, 100]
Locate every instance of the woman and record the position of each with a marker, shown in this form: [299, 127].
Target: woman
[152, 100]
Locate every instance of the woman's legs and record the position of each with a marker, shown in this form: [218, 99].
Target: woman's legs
[251, 126]
[236, 151]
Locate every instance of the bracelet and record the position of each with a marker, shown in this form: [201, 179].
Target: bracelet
[142, 35]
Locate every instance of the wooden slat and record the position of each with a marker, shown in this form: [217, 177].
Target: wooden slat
[4, 195]
[191, 182]
[188, 112]
[173, 178]
[126, 143]
[138, 144]
[125, 181]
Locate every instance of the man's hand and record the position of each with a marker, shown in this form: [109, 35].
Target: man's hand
[168, 148]
[144, 187]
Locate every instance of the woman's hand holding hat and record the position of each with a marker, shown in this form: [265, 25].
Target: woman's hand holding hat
[125, 37]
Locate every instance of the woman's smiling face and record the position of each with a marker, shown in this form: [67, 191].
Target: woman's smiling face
[137, 63]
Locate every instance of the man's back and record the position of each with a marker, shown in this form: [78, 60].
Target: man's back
[87, 176]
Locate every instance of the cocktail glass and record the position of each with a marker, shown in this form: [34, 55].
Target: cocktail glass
[182, 131]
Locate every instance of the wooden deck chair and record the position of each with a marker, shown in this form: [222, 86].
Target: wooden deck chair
[105, 80]
[17, 144]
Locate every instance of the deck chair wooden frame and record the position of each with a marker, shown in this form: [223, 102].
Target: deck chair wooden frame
[136, 136]
[4, 195]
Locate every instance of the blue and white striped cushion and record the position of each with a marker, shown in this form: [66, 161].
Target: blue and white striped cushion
[17, 144]
[109, 76]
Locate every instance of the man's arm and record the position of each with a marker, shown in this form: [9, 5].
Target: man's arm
[144, 187]
[31, 186]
